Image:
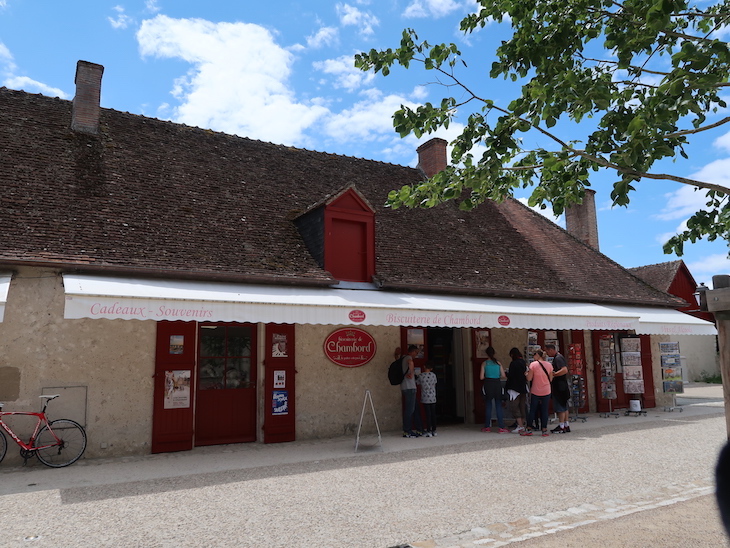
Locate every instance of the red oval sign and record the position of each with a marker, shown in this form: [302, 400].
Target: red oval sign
[503, 320]
[357, 316]
[350, 347]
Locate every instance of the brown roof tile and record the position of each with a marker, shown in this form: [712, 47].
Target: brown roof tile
[154, 197]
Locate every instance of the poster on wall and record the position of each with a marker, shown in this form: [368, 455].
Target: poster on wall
[633, 373]
[177, 344]
[417, 337]
[280, 402]
[279, 379]
[278, 346]
[177, 389]
[670, 360]
[483, 342]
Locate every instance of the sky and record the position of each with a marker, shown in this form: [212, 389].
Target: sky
[282, 71]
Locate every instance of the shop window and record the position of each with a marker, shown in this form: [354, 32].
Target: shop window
[225, 357]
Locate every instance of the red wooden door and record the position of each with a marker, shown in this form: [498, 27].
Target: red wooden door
[174, 386]
[646, 365]
[280, 388]
[225, 410]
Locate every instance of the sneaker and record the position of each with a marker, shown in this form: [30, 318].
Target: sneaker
[545, 433]
[526, 433]
[566, 429]
[427, 435]
[485, 429]
[503, 431]
[557, 430]
[409, 435]
[433, 433]
[518, 430]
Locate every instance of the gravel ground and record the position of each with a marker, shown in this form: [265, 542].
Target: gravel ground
[418, 494]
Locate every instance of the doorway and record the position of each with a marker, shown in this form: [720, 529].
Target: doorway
[205, 385]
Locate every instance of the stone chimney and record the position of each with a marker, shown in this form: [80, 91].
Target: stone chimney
[581, 220]
[432, 156]
[86, 104]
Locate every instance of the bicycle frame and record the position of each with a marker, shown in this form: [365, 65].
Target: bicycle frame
[41, 421]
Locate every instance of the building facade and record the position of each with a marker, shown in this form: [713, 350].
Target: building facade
[181, 287]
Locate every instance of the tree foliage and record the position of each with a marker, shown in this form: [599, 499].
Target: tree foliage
[638, 77]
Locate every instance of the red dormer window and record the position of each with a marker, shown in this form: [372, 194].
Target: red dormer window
[349, 238]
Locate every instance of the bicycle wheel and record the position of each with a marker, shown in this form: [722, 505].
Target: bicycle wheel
[69, 448]
[3, 446]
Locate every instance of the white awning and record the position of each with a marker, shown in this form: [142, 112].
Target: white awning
[133, 299]
[664, 321]
[4, 287]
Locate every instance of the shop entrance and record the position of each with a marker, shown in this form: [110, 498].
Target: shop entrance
[205, 385]
[441, 347]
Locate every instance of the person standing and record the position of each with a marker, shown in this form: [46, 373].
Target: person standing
[560, 389]
[492, 374]
[428, 381]
[517, 388]
[408, 389]
[540, 374]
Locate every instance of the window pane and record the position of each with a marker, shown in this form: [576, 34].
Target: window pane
[239, 341]
[238, 374]
[213, 341]
[212, 371]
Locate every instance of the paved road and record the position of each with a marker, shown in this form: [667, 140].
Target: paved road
[461, 489]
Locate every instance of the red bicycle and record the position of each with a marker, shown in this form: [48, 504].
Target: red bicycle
[56, 443]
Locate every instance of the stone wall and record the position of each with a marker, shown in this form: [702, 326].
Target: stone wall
[102, 369]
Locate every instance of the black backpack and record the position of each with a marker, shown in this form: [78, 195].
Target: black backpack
[395, 372]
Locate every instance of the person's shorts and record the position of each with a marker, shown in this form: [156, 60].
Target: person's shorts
[559, 407]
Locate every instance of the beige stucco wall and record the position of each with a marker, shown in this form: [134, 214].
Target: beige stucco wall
[330, 398]
[109, 364]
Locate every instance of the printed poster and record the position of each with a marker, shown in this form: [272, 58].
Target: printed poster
[177, 389]
[280, 402]
[671, 360]
[279, 379]
[631, 344]
[674, 387]
[630, 358]
[278, 346]
[483, 342]
[177, 344]
[634, 387]
[669, 348]
[633, 373]
[672, 373]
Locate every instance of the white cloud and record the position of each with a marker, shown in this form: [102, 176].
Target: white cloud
[683, 202]
[33, 86]
[347, 76]
[431, 8]
[351, 16]
[367, 120]
[326, 36]
[238, 81]
[152, 6]
[122, 20]
[663, 238]
[6, 58]
[711, 265]
[723, 142]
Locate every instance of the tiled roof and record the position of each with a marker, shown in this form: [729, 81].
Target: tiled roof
[659, 275]
[158, 198]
